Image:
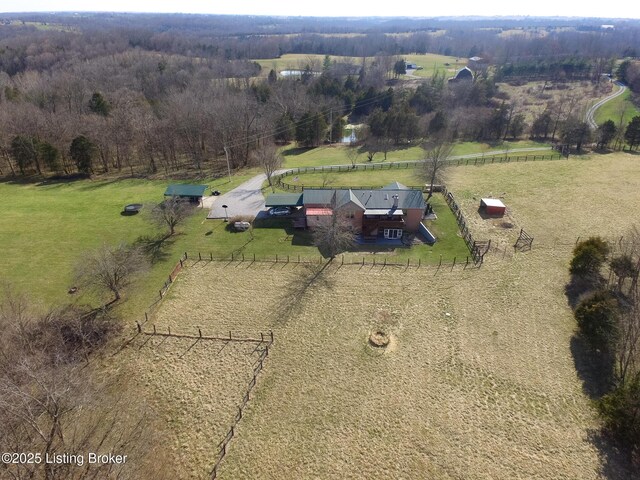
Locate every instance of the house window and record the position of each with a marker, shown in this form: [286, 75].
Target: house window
[392, 233]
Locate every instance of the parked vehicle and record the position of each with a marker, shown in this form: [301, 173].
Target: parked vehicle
[279, 211]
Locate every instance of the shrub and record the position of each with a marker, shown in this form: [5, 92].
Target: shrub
[597, 317]
[621, 412]
[588, 257]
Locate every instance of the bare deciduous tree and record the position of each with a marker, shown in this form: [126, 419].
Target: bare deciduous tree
[437, 153]
[111, 269]
[171, 213]
[334, 233]
[270, 159]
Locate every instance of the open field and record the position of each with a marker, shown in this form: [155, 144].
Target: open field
[483, 376]
[337, 154]
[533, 100]
[297, 61]
[620, 108]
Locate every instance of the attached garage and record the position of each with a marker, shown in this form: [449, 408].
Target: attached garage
[291, 200]
[492, 206]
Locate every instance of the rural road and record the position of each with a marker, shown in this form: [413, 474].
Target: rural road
[247, 198]
[591, 112]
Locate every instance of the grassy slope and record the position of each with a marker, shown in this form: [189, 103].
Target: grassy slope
[613, 109]
[336, 154]
[46, 228]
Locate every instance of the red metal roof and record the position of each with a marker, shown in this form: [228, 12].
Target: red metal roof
[319, 211]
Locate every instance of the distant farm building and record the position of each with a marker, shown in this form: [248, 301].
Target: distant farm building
[492, 207]
[464, 74]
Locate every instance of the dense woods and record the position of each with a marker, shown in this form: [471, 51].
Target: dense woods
[147, 93]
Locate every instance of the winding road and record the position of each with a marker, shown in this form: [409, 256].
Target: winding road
[591, 112]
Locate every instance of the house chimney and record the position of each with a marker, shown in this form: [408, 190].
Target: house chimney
[395, 201]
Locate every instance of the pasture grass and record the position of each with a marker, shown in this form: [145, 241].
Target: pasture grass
[482, 377]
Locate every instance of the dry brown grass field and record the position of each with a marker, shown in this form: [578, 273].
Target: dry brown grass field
[479, 380]
[533, 97]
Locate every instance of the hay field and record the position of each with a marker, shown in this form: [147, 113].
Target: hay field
[479, 380]
[193, 389]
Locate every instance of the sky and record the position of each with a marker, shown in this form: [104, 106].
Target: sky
[410, 8]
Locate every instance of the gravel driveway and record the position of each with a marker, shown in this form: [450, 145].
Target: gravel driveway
[245, 199]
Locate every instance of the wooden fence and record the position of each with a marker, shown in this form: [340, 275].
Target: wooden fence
[505, 158]
[478, 248]
[257, 368]
[371, 261]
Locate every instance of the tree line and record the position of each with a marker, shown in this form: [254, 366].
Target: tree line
[605, 296]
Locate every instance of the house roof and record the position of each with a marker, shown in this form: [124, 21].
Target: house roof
[366, 199]
[185, 190]
[284, 200]
[492, 202]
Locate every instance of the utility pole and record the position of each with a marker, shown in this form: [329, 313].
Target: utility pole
[226, 153]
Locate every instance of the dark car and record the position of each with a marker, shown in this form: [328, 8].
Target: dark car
[215, 193]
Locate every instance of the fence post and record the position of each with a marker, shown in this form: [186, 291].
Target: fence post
[407, 262]
[160, 293]
[185, 255]
[154, 328]
[363, 261]
[211, 256]
[199, 332]
[139, 327]
[298, 258]
[199, 256]
[419, 262]
[342, 262]
[454, 262]
[180, 263]
[146, 317]
[243, 257]
[440, 261]
[254, 257]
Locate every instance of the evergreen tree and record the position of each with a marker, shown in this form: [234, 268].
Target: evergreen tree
[81, 151]
[632, 133]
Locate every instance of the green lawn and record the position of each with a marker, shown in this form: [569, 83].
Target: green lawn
[46, 228]
[614, 109]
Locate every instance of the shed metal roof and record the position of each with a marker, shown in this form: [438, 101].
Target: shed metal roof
[284, 200]
[185, 190]
[492, 202]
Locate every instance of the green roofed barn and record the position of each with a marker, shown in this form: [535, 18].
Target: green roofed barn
[193, 193]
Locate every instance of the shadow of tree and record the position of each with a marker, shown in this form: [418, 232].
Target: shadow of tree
[616, 461]
[313, 276]
[594, 370]
[156, 248]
